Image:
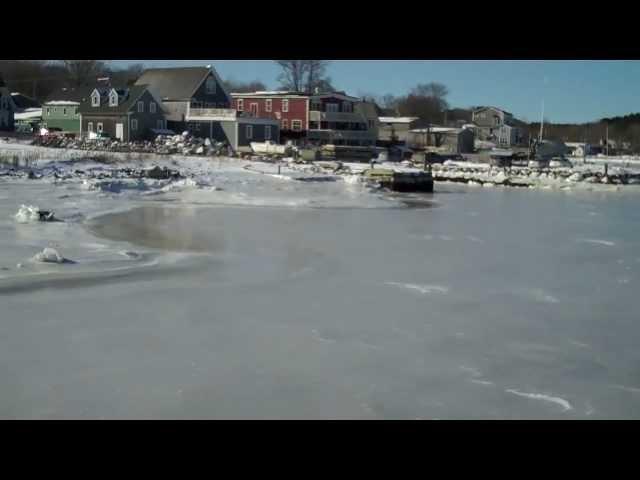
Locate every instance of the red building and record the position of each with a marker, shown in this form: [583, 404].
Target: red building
[333, 118]
[291, 109]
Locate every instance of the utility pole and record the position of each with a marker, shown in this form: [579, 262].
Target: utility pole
[607, 135]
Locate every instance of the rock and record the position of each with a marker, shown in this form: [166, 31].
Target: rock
[200, 150]
[576, 177]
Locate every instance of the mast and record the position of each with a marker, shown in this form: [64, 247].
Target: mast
[541, 123]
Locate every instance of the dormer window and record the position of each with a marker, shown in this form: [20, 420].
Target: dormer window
[113, 99]
[210, 85]
[95, 99]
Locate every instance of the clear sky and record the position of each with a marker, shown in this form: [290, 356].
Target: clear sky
[573, 91]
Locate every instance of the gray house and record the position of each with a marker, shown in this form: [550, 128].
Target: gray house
[129, 113]
[497, 126]
[6, 108]
[395, 129]
[442, 139]
[237, 129]
[181, 88]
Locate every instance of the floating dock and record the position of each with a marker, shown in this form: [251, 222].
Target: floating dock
[400, 181]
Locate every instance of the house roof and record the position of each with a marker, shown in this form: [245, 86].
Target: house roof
[23, 102]
[397, 119]
[477, 109]
[125, 102]
[29, 113]
[72, 94]
[275, 93]
[438, 130]
[174, 83]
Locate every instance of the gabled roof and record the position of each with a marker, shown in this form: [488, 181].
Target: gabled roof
[71, 94]
[339, 95]
[178, 84]
[23, 102]
[125, 103]
[478, 109]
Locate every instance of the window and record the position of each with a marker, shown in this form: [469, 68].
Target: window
[95, 100]
[254, 109]
[333, 107]
[160, 124]
[267, 132]
[370, 123]
[268, 105]
[347, 107]
[249, 132]
[285, 124]
[296, 125]
[316, 106]
[48, 111]
[285, 105]
[100, 127]
[196, 127]
[90, 127]
[64, 112]
[140, 107]
[152, 107]
[240, 106]
[211, 85]
[134, 124]
[113, 99]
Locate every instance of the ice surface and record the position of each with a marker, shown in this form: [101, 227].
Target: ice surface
[231, 294]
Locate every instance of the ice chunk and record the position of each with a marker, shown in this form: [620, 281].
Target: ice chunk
[29, 214]
[49, 255]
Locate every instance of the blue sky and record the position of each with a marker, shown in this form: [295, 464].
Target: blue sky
[573, 91]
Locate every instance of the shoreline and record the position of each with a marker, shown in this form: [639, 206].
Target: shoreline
[584, 177]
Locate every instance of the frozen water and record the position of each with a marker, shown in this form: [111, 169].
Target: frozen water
[269, 298]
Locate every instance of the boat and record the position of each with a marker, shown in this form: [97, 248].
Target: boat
[270, 148]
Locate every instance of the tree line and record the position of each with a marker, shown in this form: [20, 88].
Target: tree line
[39, 78]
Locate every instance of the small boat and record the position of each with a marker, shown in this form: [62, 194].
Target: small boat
[270, 148]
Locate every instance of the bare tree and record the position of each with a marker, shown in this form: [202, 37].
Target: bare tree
[316, 75]
[243, 87]
[83, 72]
[433, 90]
[304, 75]
[293, 74]
[126, 76]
